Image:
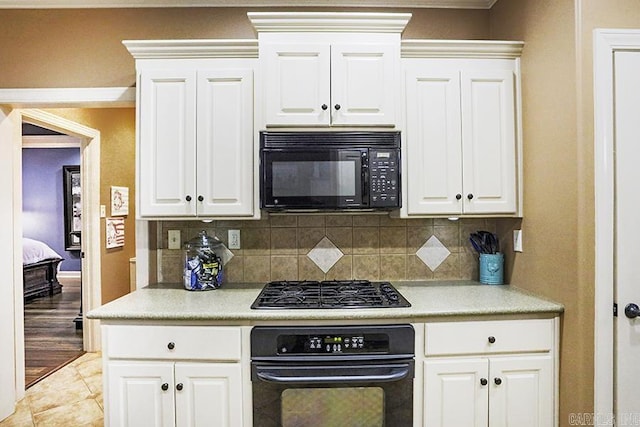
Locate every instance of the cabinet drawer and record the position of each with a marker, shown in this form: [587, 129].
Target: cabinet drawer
[488, 337]
[173, 342]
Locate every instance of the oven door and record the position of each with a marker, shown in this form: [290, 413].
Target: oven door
[363, 393]
[312, 178]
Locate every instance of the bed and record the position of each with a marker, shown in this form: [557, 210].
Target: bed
[40, 269]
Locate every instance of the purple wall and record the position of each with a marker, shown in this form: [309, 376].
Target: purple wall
[42, 199]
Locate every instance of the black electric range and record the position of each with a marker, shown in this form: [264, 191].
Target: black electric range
[329, 294]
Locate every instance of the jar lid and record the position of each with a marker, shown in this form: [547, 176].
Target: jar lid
[203, 240]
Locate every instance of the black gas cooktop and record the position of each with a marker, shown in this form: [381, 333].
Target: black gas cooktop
[329, 294]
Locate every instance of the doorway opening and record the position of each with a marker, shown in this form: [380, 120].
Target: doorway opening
[51, 229]
[90, 227]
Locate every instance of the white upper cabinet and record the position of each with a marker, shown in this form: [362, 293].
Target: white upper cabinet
[462, 144]
[195, 139]
[340, 84]
[330, 69]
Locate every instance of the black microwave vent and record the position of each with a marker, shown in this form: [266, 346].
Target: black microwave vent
[270, 139]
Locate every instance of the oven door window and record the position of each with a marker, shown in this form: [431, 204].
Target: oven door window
[313, 179]
[349, 406]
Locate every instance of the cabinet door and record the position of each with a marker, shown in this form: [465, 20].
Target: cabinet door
[297, 84]
[210, 395]
[139, 394]
[454, 392]
[525, 395]
[225, 142]
[166, 154]
[488, 141]
[433, 141]
[363, 84]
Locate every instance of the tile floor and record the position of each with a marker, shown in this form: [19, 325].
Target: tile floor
[71, 396]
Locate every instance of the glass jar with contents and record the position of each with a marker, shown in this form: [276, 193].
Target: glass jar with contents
[203, 269]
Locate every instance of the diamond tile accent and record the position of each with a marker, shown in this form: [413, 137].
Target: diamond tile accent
[433, 253]
[325, 254]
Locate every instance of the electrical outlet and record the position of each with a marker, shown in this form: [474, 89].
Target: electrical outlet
[103, 211]
[174, 239]
[517, 240]
[234, 239]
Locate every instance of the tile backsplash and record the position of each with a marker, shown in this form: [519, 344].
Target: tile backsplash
[325, 247]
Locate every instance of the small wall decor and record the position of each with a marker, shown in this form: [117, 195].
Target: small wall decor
[119, 201]
[115, 232]
[72, 191]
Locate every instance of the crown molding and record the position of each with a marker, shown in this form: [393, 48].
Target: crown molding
[69, 97]
[220, 48]
[461, 49]
[329, 22]
[104, 4]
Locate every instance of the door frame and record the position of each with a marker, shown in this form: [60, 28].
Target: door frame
[20, 106]
[606, 42]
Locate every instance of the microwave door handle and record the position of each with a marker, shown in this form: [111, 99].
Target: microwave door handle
[393, 374]
[364, 179]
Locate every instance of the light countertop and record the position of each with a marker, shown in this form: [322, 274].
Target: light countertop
[232, 303]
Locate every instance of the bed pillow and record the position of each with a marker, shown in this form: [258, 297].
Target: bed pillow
[36, 251]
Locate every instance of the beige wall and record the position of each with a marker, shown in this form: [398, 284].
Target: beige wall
[117, 167]
[82, 48]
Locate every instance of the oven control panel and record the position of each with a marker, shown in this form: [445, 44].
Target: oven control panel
[333, 344]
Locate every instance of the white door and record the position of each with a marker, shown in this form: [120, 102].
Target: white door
[456, 392]
[363, 91]
[208, 394]
[224, 156]
[488, 141]
[140, 395]
[167, 134]
[521, 391]
[617, 155]
[297, 84]
[627, 234]
[433, 140]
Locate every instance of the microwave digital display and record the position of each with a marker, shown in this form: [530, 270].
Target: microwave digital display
[329, 170]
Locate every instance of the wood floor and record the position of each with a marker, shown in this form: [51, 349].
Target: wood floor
[51, 339]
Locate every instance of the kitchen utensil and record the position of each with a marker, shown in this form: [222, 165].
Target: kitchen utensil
[485, 242]
[476, 242]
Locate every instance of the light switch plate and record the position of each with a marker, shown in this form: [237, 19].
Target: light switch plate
[517, 240]
[103, 211]
[174, 239]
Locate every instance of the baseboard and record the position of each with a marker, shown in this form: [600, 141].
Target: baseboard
[69, 274]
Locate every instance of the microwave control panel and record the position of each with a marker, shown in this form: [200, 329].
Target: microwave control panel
[384, 177]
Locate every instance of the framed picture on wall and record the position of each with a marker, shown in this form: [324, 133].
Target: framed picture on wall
[72, 191]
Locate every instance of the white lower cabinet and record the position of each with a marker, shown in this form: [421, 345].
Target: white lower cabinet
[180, 394]
[494, 373]
[169, 376]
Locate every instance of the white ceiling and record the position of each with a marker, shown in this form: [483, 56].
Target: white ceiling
[66, 4]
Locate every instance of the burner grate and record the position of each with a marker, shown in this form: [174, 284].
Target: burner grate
[329, 294]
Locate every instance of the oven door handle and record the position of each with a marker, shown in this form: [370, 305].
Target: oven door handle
[327, 374]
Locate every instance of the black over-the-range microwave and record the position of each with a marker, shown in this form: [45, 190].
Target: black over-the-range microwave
[322, 170]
